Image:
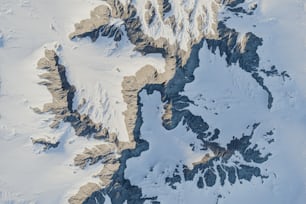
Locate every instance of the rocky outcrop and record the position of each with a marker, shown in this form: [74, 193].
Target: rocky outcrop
[83, 193]
[62, 98]
[56, 82]
[216, 165]
[164, 6]
[174, 58]
[179, 69]
[232, 3]
[46, 143]
[176, 111]
[150, 13]
[62, 92]
[104, 153]
[100, 21]
[243, 52]
[107, 173]
[131, 86]
[175, 104]
[100, 16]
[275, 72]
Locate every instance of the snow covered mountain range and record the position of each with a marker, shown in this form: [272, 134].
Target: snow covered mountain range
[153, 101]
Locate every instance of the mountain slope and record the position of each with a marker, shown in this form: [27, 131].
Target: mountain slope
[155, 101]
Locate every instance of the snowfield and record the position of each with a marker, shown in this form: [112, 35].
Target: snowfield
[225, 96]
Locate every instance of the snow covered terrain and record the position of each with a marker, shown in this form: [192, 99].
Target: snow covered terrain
[204, 125]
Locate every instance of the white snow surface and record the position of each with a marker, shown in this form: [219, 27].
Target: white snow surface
[27, 175]
[187, 28]
[239, 101]
[98, 74]
[96, 70]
